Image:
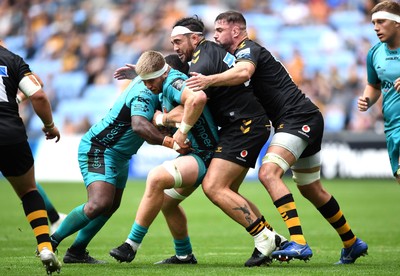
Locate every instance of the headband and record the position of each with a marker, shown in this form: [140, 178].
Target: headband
[181, 30]
[156, 74]
[386, 15]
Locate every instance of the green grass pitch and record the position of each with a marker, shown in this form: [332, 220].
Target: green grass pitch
[220, 245]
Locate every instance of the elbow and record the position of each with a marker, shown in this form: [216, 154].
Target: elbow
[39, 97]
[201, 99]
[245, 76]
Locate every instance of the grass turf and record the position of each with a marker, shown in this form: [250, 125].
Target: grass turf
[220, 245]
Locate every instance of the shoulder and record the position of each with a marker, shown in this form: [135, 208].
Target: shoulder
[176, 79]
[376, 48]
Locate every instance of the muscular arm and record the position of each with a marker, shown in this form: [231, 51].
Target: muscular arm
[146, 130]
[240, 73]
[170, 119]
[41, 106]
[370, 96]
[193, 103]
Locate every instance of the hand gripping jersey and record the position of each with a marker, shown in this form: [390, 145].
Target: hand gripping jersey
[272, 84]
[227, 104]
[203, 134]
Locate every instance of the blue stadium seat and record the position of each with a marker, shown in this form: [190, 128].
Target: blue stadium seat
[70, 84]
[16, 44]
[345, 18]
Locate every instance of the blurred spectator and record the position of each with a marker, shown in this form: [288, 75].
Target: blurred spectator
[96, 37]
[295, 67]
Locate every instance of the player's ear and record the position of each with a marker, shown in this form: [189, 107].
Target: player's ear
[235, 30]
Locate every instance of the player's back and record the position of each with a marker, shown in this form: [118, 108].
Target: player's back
[272, 83]
[227, 104]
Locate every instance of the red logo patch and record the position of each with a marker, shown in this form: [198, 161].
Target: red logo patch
[306, 128]
[243, 153]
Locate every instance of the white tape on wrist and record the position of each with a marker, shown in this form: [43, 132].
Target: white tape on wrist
[175, 146]
[185, 128]
[159, 120]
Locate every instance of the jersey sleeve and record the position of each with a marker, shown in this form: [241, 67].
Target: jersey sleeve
[145, 105]
[372, 76]
[174, 91]
[23, 68]
[247, 53]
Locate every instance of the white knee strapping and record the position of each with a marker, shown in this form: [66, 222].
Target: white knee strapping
[305, 178]
[310, 162]
[174, 194]
[173, 170]
[288, 141]
[275, 158]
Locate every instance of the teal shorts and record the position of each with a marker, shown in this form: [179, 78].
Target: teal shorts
[101, 164]
[393, 147]
[202, 168]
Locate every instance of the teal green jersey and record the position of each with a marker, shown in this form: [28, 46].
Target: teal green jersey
[203, 136]
[114, 132]
[383, 67]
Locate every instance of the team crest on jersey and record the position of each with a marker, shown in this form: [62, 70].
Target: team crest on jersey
[178, 84]
[245, 54]
[3, 71]
[306, 129]
[229, 59]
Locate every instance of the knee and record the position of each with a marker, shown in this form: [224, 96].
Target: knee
[96, 207]
[211, 191]
[269, 173]
[158, 179]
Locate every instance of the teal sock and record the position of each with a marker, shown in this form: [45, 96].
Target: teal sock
[183, 247]
[137, 233]
[86, 234]
[51, 211]
[45, 198]
[75, 221]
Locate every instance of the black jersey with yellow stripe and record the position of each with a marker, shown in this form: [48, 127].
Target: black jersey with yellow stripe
[272, 83]
[227, 104]
[12, 69]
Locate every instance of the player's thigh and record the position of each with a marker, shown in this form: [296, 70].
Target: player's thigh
[188, 167]
[222, 174]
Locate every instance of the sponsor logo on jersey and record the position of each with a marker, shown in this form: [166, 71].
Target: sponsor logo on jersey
[3, 71]
[243, 153]
[386, 86]
[243, 54]
[229, 59]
